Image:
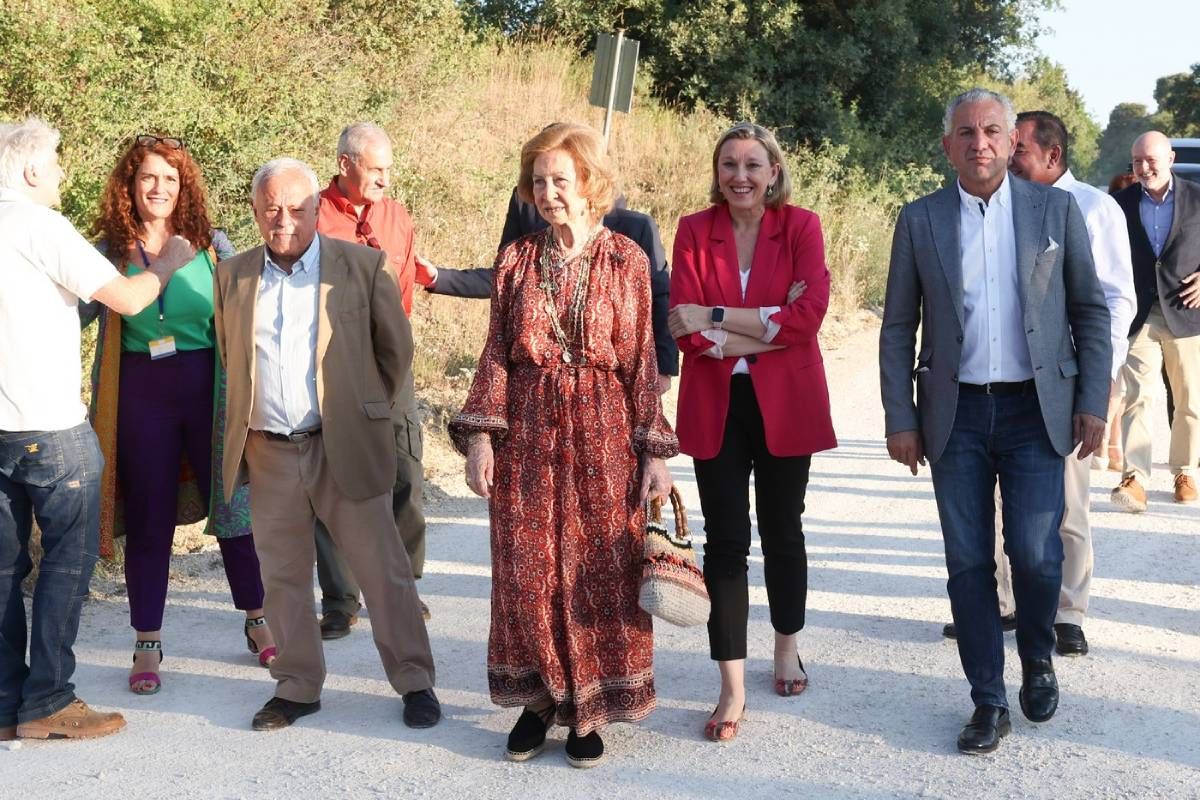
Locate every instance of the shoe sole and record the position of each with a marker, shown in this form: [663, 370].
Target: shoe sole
[330, 635]
[1127, 503]
[26, 733]
[1001, 732]
[1071, 653]
[585, 763]
[512, 755]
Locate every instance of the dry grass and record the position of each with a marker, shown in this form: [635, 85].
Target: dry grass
[457, 163]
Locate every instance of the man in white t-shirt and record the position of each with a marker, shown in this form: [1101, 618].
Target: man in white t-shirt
[50, 460]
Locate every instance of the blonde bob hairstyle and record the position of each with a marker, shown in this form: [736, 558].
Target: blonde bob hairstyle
[782, 191]
[595, 174]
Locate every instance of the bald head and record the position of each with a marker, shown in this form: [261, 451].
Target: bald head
[1152, 160]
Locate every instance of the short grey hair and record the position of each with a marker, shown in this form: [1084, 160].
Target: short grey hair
[979, 95]
[357, 136]
[279, 165]
[21, 144]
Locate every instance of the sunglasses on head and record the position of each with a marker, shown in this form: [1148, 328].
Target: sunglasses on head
[149, 140]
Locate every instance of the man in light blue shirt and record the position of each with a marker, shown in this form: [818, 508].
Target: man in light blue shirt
[285, 344]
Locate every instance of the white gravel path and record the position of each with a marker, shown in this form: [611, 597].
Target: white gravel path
[879, 720]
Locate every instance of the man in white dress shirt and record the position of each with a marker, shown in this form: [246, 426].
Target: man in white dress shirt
[1012, 373]
[1041, 156]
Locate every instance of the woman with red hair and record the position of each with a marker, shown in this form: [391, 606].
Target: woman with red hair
[158, 399]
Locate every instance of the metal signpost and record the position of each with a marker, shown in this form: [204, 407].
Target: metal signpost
[612, 78]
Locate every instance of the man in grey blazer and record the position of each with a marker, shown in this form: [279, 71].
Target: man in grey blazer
[1012, 374]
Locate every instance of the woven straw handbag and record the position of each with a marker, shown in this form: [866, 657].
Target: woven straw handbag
[672, 585]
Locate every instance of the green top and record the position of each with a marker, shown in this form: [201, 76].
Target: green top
[187, 311]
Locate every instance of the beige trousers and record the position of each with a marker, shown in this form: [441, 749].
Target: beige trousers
[1150, 349]
[1076, 532]
[291, 486]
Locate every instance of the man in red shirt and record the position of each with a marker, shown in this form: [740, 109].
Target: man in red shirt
[355, 208]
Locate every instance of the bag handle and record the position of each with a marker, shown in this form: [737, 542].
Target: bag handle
[682, 535]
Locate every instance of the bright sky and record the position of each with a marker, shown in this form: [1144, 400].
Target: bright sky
[1114, 50]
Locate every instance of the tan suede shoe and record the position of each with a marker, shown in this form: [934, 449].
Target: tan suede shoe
[76, 721]
[1129, 495]
[1185, 489]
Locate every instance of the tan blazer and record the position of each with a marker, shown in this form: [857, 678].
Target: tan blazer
[364, 360]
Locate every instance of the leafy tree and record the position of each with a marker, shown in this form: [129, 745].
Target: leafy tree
[1043, 87]
[1179, 96]
[1126, 122]
[870, 73]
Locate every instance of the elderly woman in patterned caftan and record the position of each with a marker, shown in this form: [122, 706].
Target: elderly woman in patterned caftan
[564, 434]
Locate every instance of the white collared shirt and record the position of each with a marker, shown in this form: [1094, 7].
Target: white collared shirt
[285, 345]
[994, 344]
[1109, 236]
[47, 268]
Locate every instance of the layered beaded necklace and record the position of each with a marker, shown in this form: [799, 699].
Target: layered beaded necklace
[550, 264]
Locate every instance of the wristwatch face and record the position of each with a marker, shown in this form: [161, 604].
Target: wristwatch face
[718, 315]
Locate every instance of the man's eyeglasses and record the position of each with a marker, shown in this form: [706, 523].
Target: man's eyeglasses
[149, 140]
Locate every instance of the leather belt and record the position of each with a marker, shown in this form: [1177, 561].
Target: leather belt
[1017, 387]
[295, 437]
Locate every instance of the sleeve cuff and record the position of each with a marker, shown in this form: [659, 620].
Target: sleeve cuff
[718, 338]
[772, 328]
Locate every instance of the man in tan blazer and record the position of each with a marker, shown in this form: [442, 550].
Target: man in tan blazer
[317, 350]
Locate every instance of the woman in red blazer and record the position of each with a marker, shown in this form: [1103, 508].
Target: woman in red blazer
[749, 289]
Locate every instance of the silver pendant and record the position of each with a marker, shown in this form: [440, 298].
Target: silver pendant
[566, 357]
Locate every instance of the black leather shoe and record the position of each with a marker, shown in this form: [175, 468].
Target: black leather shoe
[982, 734]
[1069, 640]
[336, 624]
[584, 751]
[1039, 689]
[279, 713]
[1008, 622]
[421, 709]
[528, 736]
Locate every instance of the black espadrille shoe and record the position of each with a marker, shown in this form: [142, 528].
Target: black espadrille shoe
[528, 736]
[584, 751]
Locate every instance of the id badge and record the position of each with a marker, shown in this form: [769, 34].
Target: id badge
[162, 348]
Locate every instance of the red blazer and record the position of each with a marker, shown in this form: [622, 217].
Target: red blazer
[789, 383]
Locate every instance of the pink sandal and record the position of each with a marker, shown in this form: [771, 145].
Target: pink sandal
[146, 677]
[267, 654]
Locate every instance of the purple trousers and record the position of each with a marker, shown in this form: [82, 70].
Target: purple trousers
[166, 410]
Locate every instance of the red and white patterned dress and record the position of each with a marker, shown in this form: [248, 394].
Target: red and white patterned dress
[566, 526]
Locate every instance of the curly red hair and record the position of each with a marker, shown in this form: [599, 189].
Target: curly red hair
[118, 223]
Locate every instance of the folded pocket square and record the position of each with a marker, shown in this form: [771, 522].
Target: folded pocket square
[1050, 248]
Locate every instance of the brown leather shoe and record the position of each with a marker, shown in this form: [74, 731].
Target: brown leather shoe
[1185, 489]
[8, 732]
[76, 721]
[336, 624]
[1130, 495]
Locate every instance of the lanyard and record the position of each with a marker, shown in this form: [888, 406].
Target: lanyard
[161, 306]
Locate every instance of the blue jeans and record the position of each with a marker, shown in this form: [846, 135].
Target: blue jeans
[55, 476]
[1000, 437]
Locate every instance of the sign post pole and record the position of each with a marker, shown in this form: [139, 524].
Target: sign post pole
[612, 86]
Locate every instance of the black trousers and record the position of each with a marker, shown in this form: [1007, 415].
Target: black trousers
[724, 483]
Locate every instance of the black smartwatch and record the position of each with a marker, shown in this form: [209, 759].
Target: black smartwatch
[717, 318]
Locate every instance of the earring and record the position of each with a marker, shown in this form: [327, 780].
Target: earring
[770, 189]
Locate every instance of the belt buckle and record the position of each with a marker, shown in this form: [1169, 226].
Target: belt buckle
[987, 389]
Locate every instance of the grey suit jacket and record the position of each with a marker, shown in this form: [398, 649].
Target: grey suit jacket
[1065, 317]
